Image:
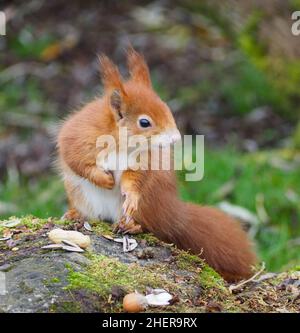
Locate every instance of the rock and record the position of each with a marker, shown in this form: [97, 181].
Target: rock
[28, 283]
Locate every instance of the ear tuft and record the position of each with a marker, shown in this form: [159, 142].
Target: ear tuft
[116, 103]
[111, 76]
[138, 68]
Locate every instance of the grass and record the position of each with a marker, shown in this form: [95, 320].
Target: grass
[247, 88]
[43, 197]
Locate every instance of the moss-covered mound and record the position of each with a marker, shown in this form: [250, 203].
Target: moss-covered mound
[39, 280]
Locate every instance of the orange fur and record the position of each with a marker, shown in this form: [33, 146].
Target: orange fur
[138, 68]
[111, 76]
[151, 199]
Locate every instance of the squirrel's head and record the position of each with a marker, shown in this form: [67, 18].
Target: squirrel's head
[134, 103]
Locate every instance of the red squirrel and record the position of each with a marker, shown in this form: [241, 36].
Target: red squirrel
[142, 200]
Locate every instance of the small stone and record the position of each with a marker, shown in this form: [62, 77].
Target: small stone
[117, 293]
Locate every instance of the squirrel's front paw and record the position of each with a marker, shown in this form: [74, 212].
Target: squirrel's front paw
[108, 181]
[130, 204]
[103, 179]
[127, 225]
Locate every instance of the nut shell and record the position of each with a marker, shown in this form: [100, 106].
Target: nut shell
[134, 302]
[58, 235]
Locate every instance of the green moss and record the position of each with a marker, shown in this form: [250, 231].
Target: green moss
[51, 281]
[149, 238]
[105, 272]
[189, 262]
[63, 223]
[206, 276]
[209, 278]
[55, 280]
[101, 227]
[66, 307]
[32, 223]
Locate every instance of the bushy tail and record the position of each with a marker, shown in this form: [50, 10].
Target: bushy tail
[218, 239]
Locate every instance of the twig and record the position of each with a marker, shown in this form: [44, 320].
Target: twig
[237, 286]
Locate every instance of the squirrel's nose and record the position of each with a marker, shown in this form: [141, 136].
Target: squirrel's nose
[175, 136]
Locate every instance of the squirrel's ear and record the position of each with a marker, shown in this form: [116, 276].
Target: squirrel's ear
[116, 104]
[138, 68]
[113, 86]
[111, 76]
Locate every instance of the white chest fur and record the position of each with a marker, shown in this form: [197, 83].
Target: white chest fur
[95, 202]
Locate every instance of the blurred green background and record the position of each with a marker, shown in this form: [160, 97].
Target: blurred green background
[228, 69]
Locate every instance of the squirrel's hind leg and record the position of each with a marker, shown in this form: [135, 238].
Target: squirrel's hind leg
[72, 215]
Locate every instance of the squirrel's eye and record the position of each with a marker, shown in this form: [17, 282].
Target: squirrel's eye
[144, 123]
